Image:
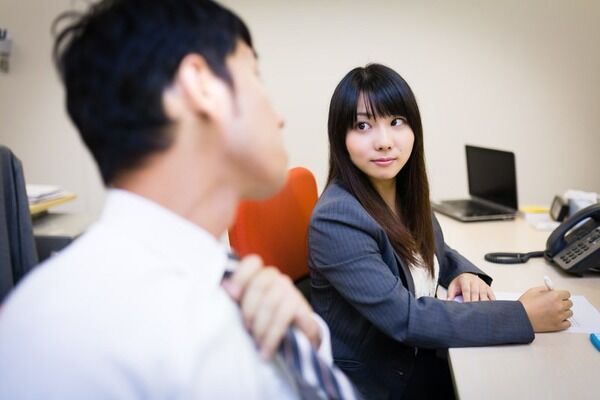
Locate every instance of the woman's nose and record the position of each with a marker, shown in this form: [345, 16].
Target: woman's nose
[384, 140]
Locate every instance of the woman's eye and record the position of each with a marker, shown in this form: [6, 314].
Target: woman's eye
[398, 121]
[361, 126]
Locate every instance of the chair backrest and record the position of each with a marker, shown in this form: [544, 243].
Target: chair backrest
[276, 229]
[18, 254]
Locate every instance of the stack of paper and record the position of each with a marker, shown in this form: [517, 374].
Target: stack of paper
[541, 221]
[40, 193]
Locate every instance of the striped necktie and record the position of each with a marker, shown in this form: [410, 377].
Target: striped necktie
[316, 380]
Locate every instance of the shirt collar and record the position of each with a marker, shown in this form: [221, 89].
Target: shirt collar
[182, 244]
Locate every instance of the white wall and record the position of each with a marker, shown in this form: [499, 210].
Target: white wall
[513, 75]
[33, 120]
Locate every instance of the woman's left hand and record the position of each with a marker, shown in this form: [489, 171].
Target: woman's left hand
[472, 288]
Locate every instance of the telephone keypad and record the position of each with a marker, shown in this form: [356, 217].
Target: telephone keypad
[581, 247]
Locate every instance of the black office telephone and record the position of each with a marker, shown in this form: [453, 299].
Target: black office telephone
[574, 246]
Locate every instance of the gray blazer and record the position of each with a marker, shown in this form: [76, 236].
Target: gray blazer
[365, 293]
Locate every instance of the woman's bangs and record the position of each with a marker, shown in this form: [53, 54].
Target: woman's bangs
[384, 99]
[347, 115]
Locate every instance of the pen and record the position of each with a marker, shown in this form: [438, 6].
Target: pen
[595, 339]
[548, 283]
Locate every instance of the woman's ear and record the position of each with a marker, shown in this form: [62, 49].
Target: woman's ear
[200, 90]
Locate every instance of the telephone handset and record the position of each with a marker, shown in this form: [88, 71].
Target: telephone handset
[574, 245]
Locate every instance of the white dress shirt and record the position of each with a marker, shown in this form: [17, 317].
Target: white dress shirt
[134, 309]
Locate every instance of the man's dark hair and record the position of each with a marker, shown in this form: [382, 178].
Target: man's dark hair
[117, 58]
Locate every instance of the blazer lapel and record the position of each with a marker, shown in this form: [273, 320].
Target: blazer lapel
[406, 276]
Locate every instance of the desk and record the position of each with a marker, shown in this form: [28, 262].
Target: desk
[55, 231]
[36, 209]
[556, 365]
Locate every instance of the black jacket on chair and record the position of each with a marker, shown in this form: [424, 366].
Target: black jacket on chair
[17, 245]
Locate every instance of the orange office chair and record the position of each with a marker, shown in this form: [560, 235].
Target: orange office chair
[277, 228]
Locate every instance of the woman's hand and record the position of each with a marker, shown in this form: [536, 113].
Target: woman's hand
[548, 310]
[270, 303]
[472, 288]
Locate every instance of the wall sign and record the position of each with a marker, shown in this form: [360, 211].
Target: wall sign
[5, 48]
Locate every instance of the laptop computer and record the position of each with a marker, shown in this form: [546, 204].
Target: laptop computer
[492, 187]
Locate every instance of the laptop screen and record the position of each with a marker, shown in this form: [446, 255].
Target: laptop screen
[492, 175]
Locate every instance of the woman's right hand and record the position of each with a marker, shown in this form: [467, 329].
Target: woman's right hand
[548, 310]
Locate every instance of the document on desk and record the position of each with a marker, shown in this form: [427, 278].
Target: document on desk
[585, 319]
[39, 193]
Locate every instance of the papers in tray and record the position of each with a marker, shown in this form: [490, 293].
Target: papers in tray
[40, 193]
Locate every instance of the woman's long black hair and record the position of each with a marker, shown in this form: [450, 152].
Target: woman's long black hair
[386, 93]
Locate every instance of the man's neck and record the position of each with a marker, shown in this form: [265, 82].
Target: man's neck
[202, 197]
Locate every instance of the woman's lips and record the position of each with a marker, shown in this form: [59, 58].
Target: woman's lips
[384, 161]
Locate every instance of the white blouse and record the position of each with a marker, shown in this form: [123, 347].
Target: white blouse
[425, 284]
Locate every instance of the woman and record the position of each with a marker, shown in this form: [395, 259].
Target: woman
[377, 254]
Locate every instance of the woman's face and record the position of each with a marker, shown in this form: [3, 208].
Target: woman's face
[380, 146]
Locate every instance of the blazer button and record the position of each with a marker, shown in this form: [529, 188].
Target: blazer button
[399, 372]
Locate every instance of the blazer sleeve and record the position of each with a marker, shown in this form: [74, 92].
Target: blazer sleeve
[452, 263]
[344, 248]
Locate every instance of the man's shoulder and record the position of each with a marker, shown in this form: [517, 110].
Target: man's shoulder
[70, 292]
[76, 316]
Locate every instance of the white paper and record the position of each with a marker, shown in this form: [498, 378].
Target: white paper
[37, 193]
[541, 221]
[585, 319]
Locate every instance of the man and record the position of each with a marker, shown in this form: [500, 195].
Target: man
[167, 98]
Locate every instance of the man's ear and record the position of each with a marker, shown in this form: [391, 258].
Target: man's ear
[202, 91]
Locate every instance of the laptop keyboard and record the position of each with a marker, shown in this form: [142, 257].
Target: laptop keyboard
[472, 209]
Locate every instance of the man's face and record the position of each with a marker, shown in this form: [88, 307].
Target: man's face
[255, 143]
